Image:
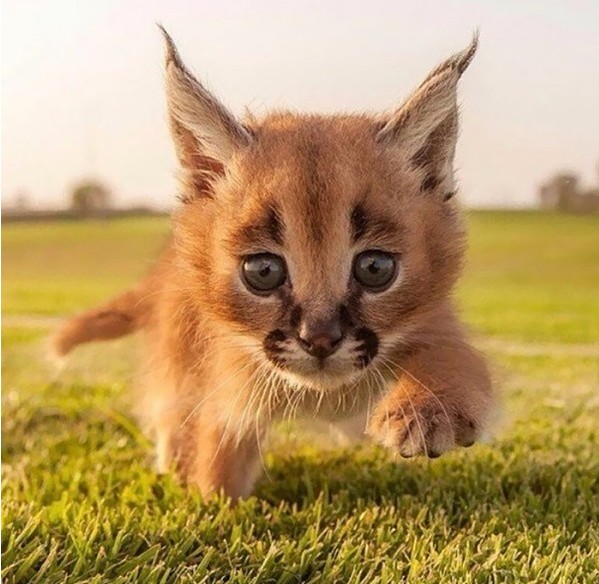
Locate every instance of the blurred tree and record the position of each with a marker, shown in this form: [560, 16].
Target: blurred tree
[563, 193]
[22, 201]
[90, 197]
[566, 184]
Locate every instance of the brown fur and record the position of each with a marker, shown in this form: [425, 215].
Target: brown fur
[224, 362]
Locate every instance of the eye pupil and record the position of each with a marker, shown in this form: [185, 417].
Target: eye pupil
[375, 269]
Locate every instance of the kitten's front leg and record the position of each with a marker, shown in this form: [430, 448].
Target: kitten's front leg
[219, 446]
[441, 398]
[224, 462]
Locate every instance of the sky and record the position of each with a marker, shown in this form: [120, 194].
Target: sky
[82, 84]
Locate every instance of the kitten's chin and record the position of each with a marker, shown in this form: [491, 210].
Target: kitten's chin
[321, 380]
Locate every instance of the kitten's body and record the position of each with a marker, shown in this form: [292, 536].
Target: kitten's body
[225, 359]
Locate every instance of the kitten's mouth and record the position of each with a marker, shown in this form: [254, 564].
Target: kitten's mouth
[321, 364]
[346, 364]
[324, 374]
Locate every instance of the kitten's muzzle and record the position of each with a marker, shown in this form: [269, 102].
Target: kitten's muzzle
[321, 338]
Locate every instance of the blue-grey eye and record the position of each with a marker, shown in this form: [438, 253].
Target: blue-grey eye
[375, 269]
[263, 272]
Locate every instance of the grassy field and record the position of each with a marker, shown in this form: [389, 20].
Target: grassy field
[81, 503]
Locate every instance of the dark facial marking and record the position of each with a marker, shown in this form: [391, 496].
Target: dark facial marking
[345, 317]
[351, 309]
[285, 300]
[274, 225]
[295, 316]
[359, 222]
[269, 229]
[365, 223]
[368, 347]
[272, 346]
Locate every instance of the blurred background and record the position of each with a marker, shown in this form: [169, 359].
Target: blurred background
[83, 120]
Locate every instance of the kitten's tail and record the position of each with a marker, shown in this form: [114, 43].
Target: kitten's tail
[118, 317]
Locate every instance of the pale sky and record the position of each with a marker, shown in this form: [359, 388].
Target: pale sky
[82, 83]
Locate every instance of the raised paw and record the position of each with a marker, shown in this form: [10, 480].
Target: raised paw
[428, 428]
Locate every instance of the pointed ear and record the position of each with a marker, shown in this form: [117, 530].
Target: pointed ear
[424, 129]
[205, 132]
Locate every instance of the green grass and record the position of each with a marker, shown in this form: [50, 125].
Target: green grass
[81, 503]
[56, 268]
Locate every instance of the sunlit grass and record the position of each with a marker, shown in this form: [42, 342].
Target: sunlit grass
[81, 502]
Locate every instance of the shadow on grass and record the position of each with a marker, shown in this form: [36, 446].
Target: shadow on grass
[522, 487]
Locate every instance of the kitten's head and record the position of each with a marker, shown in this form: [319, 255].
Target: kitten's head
[318, 241]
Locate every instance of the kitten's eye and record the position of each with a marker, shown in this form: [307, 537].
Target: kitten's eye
[375, 269]
[263, 272]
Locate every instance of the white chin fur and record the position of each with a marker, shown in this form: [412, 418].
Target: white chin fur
[320, 380]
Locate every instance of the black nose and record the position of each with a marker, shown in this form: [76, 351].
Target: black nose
[320, 339]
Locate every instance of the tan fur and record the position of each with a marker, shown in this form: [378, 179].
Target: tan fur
[316, 191]
[120, 316]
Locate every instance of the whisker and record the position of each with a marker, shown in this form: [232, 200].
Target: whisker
[225, 434]
[210, 393]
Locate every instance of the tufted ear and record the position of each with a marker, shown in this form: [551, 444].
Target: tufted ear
[424, 129]
[205, 132]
